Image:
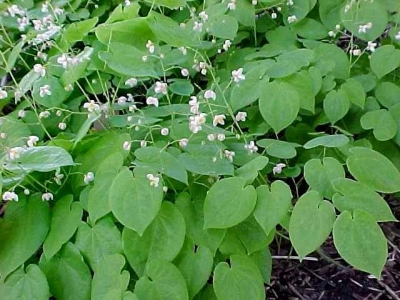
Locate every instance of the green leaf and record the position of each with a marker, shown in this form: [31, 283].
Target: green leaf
[29, 284]
[329, 12]
[133, 201]
[321, 174]
[330, 52]
[336, 105]
[263, 260]
[222, 26]
[228, 202]
[68, 276]
[109, 281]
[381, 121]
[98, 202]
[272, 204]
[161, 161]
[388, 94]
[374, 170]
[360, 241]
[162, 281]
[163, 239]
[239, 280]
[168, 3]
[302, 82]
[98, 241]
[41, 158]
[385, 60]
[279, 104]
[85, 127]
[195, 263]
[329, 141]
[311, 223]
[277, 148]
[77, 31]
[281, 68]
[64, 222]
[22, 232]
[181, 87]
[311, 29]
[14, 129]
[355, 92]
[78, 71]
[251, 170]
[352, 195]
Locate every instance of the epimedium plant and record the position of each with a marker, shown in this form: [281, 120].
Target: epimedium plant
[155, 149]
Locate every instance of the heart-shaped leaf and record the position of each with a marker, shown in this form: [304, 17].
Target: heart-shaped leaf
[382, 122]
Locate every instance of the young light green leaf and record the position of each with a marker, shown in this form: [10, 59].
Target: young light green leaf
[360, 241]
[277, 148]
[352, 195]
[385, 60]
[374, 170]
[302, 82]
[134, 201]
[279, 104]
[311, 223]
[228, 202]
[388, 94]
[329, 141]
[336, 105]
[381, 121]
[239, 280]
[355, 92]
[64, 222]
[222, 26]
[251, 170]
[321, 174]
[272, 204]
[163, 239]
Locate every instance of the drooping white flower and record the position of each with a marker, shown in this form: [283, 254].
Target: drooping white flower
[62, 125]
[238, 75]
[194, 105]
[203, 15]
[14, 153]
[38, 25]
[251, 147]
[45, 8]
[154, 180]
[58, 177]
[91, 106]
[289, 3]
[211, 137]
[331, 33]
[3, 135]
[185, 72]
[10, 196]
[122, 100]
[32, 140]
[27, 192]
[44, 114]
[88, 177]
[44, 91]
[220, 137]
[183, 50]
[69, 87]
[161, 87]
[397, 36]
[364, 28]
[355, 52]
[164, 131]
[226, 45]
[47, 197]
[232, 5]
[274, 15]
[152, 101]
[150, 46]
[278, 168]
[229, 155]
[196, 121]
[38, 68]
[3, 94]
[241, 116]
[143, 143]
[21, 114]
[198, 26]
[292, 19]
[210, 94]
[219, 119]
[131, 82]
[183, 142]
[254, 2]
[127, 2]
[22, 23]
[63, 60]
[58, 11]
[126, 145]
[371, 46]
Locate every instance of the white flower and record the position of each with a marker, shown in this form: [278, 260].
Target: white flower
[194, 105]
[45, 8]
[211, 137]
[347, 8]
[371, 46]
[131, 82]
[3, 94]
[397, 36]
[183, 50]
[58, 11]
[144, 58]
[27, 192]
[220, 137]
[150, 46]
[122, 100]
[161, 87]
[251, 147]
[88, 177]
[38, 25]
[185, 72]
[63, 60]
[241, 116]
[183, 142]
[232, 5]
[58, 176]
[62, 125]
[143, 143]
[198, 26]
[3, 135]
[91, 106]
[126, 145]
[364, 28]
[195, 122]
[219, 119]
[337, 26]
[44, 91]
[274, 15]
[32, 140]
[292, 19]
[203, 15]
[132, 107]
[69, 87]
[209, 94]
[278, 168]
[22, 23]
[356, 52]
[229, 155]
[154, 180]
[152, 101]
[254, 2]
[127, 2]
[10, 196]
[164, 131]
[226, 45]
[14, 10]
[44, 114]
[331, 33]
[165, 189]
[14, 153]
[47, 197]
[237, 75]
[289, 3]
[21, 113]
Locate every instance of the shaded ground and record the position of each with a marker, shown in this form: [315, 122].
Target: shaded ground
[333, 279]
